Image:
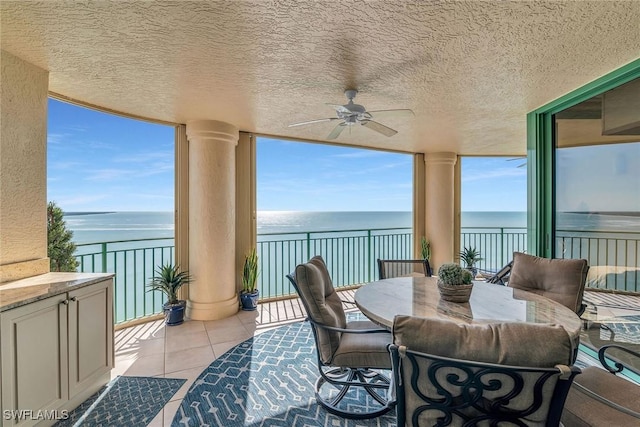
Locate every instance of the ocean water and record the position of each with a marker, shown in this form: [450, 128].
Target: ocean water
[115, 226]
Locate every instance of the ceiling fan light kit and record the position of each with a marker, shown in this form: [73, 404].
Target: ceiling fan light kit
[352, 114]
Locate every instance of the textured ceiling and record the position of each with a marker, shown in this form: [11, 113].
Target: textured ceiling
[470, 70]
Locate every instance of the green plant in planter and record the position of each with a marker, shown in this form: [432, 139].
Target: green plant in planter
[469, 256]
[250, 273]
[168, 280]
[249, 293]
[425, 248]
[454, 283]
[453, 274]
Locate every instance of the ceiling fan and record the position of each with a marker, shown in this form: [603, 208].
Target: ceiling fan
[352, 114]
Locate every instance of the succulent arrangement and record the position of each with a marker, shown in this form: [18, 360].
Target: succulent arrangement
[453, 274]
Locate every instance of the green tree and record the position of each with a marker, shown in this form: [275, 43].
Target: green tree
[60, 246]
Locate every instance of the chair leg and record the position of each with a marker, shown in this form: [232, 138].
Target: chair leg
[344, 379]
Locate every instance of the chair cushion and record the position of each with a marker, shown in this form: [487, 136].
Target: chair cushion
[546, 345]
[363, 350]
[580, 409]
[561, 280]
[323, 304]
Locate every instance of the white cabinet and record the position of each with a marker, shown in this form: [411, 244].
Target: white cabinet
[56, 352]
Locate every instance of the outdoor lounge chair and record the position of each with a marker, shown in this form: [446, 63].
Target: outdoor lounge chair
[562, 280]
[499, 374]
[350, 354]
[389, 268]
[600, 398]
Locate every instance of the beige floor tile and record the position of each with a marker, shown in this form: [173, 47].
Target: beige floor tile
[170, 410]
[235, 333]
[229, 322]
[187, 327]
[188, 374]
[148, 347]
[248, 317]
[147, 366]
[187, 340]
[221, 348]
[158, 420]
[187, 359]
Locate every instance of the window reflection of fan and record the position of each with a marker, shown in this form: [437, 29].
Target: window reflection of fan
[353, 114]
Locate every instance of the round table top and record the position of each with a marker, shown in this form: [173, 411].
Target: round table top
[381, 301]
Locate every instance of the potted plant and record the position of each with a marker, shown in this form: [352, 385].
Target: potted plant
[249, 294]
[425, 251]
[168, 280]
[469, 256]
[454, 283]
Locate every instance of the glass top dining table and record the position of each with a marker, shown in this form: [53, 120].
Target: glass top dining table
[381, 301]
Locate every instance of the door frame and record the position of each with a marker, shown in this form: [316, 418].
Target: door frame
[541, 155]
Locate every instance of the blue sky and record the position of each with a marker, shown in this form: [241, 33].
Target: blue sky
[102, 162]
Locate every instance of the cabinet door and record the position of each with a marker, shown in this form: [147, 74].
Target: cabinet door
[34, 357]
[90, 335]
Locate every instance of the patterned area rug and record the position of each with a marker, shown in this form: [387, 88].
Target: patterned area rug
[267, 380]
[125, 401]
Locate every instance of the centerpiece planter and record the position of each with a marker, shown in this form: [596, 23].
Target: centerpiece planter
[249, 294]
[454, 283]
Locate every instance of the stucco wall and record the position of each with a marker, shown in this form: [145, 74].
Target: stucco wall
[23, 174]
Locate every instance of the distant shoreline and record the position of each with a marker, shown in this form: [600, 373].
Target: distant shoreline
[614, 213]
[87, 213]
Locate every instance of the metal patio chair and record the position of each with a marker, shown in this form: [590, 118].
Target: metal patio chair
[447, 374]
[600, 398]
[390, 268]
[351, 355]
[562, 280]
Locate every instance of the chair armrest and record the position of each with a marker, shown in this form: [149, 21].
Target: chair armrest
[618, 366]
[344, 301]
[347, 331]
[579, 387]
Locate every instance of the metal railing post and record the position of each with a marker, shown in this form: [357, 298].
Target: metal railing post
[104, 257]
[369, 256]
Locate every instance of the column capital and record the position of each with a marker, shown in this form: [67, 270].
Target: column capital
[212, 130]
[443, 158]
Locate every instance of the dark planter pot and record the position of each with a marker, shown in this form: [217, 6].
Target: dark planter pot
[249, 301]
[174, 313]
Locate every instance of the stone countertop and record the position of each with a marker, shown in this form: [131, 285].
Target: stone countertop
[20, 292]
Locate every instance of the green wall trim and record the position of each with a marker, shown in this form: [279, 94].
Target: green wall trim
[540, 156]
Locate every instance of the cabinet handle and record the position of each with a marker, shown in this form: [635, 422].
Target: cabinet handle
[65, 302]
[74, 299]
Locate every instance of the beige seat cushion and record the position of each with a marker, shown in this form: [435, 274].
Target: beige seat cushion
[518, 344]
[363, 350]
[323, 303]
[562, 280]
[581, 410]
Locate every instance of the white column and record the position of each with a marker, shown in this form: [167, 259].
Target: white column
[440, 207]
[212, 219]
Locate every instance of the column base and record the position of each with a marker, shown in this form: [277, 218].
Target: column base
[212, 310]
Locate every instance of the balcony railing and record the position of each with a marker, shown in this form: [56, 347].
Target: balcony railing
[351, 258]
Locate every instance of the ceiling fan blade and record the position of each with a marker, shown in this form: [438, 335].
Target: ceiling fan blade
[330, 119]
[336, 131]
[392, 113]
[340, 108]
[386, 131]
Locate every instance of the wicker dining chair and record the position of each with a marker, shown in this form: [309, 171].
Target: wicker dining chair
[450, 374]
[390, 268]
[351, 355]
